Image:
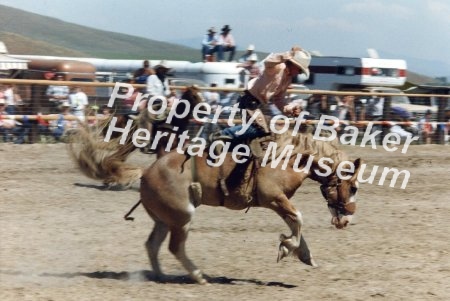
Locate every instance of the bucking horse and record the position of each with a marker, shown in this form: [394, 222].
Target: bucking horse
[177, 183]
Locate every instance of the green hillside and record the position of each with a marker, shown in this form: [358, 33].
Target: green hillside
[18, 44]
[29, 33]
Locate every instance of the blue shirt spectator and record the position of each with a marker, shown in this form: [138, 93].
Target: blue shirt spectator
[210, 44]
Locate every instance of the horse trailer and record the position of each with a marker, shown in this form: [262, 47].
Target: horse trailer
[347, 73]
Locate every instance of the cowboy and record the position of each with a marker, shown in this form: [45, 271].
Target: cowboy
[251, 65]
[210, 44]
[250, 51]
[267, 93]
[158, 84]
[227, 43]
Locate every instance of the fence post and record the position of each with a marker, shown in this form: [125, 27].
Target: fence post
[386, 115]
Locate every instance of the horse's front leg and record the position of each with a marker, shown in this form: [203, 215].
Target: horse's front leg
[293, 218]
[295, 243]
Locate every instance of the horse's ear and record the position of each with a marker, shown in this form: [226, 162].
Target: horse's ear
[358, 164]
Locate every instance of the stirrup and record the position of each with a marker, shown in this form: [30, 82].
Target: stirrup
[147, 150]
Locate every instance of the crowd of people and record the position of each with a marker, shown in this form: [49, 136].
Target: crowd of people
[10, 101]
[73, 102]
[370, 108]
[266, 86]
[63, 101]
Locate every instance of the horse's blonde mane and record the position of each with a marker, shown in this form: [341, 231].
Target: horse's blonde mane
[304, 143]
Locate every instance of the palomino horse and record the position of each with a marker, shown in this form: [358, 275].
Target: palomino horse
[100, 160]
[169, 198]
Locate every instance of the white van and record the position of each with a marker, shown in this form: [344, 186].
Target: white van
[402, 101]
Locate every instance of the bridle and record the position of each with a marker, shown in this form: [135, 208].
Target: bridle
[331, 195]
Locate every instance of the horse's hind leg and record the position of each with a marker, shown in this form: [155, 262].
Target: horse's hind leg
[177, 243]
[153, 245]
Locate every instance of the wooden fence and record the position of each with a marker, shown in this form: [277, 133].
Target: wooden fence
[440, 124]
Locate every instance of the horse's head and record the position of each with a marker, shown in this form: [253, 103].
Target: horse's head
[340, 193]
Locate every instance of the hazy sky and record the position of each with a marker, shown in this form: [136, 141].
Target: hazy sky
[403, 28]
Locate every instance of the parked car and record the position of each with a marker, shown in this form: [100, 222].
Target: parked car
[402, 101]
[425, 100]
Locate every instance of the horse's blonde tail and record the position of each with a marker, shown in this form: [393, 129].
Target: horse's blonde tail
[101, 160]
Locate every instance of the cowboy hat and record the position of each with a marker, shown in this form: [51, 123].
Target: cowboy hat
[253, 57]
[251, 47]
[212, 30]
[162, 64]
[226, 28]
[301, 58]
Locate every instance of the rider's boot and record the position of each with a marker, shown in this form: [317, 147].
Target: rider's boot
[219, 136]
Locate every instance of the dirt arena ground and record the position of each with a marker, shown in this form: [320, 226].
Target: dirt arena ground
[63, 238]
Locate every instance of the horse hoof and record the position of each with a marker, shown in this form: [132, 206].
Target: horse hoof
[282, 252]
[202, 282]
[197, 276]
[283, 237]
[308, 261]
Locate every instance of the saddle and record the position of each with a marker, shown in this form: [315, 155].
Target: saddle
[258, 146]
[246, 188]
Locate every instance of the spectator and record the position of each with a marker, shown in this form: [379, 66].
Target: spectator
[230, 97]
[140, 75]
[226, 44]
[98, 115]
[91, 112]
[346, 107]
[374, 108]
[212, 97]
[251, 65]
[105, 111]
[360, 108]
[345, 111]
[426, 128]
[317, 105]
[6, 124]
[128, 103]
[10, 99]
[57, 94]
[403, 130]
[158, 84]
[248, 53]
[447, 126]
[210, 44]
[78, 100]
[50, 75]
[59, 127]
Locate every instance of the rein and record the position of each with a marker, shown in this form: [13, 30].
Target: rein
[127, 216]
